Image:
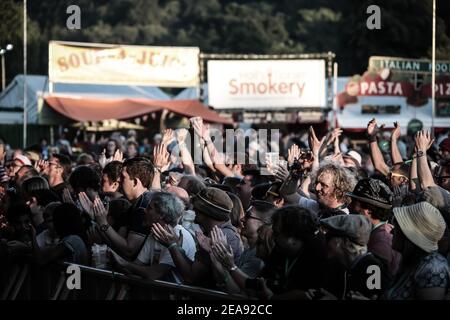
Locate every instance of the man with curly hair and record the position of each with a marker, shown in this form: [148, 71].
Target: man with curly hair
[332, 183]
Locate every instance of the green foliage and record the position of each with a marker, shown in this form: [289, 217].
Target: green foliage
[226, 26]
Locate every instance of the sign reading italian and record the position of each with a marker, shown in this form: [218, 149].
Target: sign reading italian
[269, 84]
[123, 65]
[407, 65]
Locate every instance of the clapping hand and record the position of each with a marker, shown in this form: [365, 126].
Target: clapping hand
[100, 212]
[67, 197]
[86, 204]
[166, 235]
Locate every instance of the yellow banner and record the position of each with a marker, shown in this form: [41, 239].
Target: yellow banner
[125, 65]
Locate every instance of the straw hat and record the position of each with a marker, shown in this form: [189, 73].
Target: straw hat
[422, 224]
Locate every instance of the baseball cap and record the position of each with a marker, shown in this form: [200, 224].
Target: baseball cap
[25, 161]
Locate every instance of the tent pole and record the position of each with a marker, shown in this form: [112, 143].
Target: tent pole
[433, 69]
[25, 111]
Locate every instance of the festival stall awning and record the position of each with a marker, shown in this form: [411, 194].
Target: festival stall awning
[94, 109]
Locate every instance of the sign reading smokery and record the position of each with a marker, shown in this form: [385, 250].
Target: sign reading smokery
[117, 64]
[266, 83]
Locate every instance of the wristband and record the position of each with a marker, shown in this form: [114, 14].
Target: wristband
[373, 138]
[233, 268]
[173, 244]
[104, 227]
[419, 154]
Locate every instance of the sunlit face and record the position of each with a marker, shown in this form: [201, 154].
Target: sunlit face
[325, 189]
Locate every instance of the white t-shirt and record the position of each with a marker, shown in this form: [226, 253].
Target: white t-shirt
[154, 253]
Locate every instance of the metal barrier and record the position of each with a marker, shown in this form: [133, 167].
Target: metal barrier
[26, 282]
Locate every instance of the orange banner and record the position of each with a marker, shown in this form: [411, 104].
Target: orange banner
[124, 65]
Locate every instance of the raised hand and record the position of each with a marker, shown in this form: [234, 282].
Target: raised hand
[181, 135]
[161, 157]
[167, 136]
[118, 156]
[201, 129]
[423, 140]
[282, 172]
[293, 153]
[314, 143]
[335, 134]
[41, 166]
[396, 132]
[373, 129]
[271, 167]
[103, 161]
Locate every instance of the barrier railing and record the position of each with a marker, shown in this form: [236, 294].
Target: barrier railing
[25, 282]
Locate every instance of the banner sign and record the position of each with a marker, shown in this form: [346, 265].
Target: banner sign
[123, 65]
[407, 65]
[268, 84]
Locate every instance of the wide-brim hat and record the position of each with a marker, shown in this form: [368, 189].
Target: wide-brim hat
[422, 224]
[374, 192]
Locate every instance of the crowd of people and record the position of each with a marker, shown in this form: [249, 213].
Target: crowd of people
[327, 220]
